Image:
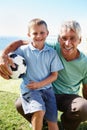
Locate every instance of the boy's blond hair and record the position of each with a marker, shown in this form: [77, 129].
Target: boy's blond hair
[36, 21]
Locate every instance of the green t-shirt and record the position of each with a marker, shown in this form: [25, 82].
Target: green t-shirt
[73, 74]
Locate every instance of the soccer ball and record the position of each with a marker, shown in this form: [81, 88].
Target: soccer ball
[20, 66]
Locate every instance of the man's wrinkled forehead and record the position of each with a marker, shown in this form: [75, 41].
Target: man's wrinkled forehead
[65, 30]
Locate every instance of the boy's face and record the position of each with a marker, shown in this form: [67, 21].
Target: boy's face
[38, 34]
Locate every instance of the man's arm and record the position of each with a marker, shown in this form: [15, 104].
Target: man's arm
[13, 46]
[48, 80]
[84, 91]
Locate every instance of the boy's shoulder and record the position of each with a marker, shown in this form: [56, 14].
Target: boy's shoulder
[53, 44]
[50, 48]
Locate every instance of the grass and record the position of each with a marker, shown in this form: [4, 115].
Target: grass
[9, 117]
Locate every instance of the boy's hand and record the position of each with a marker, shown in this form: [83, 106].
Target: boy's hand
[33, 85]
[5, 71]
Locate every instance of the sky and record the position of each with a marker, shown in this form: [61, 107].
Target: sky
[15, 15]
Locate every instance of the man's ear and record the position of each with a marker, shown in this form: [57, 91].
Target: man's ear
[80, 40]
[28, 34]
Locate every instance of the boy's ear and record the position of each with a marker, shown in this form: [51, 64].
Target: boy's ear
[58, 38]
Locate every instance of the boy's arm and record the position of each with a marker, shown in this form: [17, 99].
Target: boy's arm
[35, 85]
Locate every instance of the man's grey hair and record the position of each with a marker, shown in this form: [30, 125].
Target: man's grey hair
[72, 25]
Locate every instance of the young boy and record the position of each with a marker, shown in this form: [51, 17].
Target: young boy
[42, 65]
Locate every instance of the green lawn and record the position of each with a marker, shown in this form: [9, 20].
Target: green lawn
[9, 117]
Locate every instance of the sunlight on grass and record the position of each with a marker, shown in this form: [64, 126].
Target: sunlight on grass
[12, 86]
[10, 119]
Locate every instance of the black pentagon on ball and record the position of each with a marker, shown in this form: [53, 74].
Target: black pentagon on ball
[13, 55]
[14, 68]
[24, 63]
[21, 75]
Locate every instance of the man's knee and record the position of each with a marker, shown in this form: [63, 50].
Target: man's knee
[18, 106]
[79, 109]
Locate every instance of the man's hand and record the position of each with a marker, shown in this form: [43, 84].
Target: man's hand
[5, 70]
[84, 91]
[5, 61]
